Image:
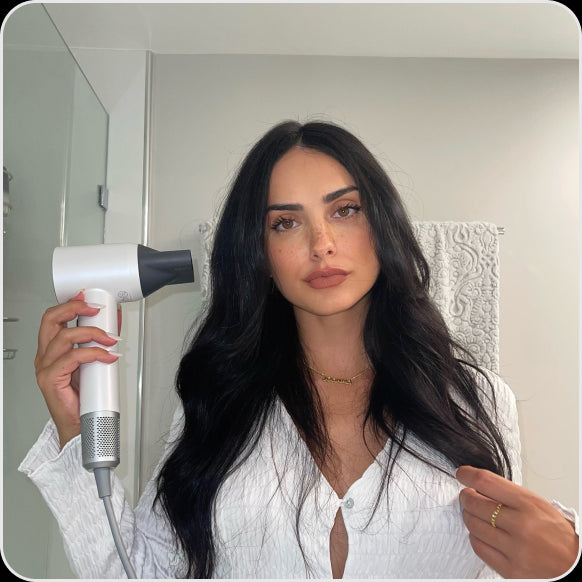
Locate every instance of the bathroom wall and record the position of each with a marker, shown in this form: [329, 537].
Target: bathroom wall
[463, 139]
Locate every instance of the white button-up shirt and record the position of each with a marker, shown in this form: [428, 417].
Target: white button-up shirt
[412, 529]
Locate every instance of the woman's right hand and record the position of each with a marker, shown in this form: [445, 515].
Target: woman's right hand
[57, 361]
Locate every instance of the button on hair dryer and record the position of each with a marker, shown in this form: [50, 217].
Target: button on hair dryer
[110, 274]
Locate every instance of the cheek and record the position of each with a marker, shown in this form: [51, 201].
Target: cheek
[360, 247]
[363, 253]
[282, 260]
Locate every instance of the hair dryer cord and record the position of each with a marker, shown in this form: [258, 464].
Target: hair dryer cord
[103, 480]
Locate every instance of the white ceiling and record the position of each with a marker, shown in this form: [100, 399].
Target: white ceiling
[462, 29]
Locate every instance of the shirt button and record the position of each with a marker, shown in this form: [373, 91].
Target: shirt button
[348, 503]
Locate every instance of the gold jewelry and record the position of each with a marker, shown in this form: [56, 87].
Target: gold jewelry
[495, 514]
[327, 378]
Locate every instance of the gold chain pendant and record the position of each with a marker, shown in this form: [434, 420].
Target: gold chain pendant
[336, 380]
[333, 380]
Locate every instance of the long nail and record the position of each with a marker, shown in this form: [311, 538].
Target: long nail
[95, 305]
[115, 337]
[114, 353]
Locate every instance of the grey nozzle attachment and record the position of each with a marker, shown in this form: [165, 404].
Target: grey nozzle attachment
[160, 268]
[100, 439]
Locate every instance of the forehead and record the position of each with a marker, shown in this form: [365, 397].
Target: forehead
[304, 173]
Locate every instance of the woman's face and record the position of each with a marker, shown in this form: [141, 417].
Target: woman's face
[317, 239]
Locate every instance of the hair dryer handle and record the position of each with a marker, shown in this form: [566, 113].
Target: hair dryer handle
[99, 391]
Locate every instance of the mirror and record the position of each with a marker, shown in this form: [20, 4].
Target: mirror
[55, 151]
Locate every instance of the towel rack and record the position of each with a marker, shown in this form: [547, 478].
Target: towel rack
[8, 353]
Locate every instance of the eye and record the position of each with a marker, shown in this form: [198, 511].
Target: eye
[284, 224]
[347, 210]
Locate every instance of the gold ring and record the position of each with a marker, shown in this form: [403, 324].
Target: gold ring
[495, 514]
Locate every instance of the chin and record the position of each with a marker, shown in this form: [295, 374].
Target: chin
[329, 306]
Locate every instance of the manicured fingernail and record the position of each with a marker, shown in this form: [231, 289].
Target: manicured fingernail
[95, 305]
[114, 353]
[115, 337]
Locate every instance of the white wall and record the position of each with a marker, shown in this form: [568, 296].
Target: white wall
[463, 139]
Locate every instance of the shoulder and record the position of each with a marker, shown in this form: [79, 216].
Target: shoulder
[496, 395]
[500, 404]
[496, 400]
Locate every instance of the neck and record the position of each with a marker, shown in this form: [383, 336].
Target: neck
[334, 346]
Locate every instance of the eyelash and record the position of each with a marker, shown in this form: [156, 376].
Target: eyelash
[350, 206]
[275, 225]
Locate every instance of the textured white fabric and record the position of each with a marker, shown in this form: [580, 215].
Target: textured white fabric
[464, 265]
[207, 230]
[416, 530]
[463, 258]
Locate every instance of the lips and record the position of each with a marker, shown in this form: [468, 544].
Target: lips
[323, 278]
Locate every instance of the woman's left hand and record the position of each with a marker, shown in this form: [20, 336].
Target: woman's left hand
[529, 539]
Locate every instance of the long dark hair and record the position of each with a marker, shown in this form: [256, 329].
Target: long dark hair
[246, 353]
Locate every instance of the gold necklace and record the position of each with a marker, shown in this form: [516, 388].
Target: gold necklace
[327, 378]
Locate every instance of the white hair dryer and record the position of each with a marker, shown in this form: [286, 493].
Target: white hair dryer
[110, 274]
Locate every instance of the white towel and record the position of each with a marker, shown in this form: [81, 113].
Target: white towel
[464, 266]
[206, 230]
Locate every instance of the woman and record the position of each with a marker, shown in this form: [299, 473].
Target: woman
[326, 409]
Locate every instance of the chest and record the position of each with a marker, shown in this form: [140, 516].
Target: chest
[277, 517]
[354, 449]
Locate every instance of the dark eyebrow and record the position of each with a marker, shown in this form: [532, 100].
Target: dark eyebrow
[326, 199]
[284, 207]
[338, 193]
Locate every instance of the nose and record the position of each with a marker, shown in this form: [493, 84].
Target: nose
[322, 243]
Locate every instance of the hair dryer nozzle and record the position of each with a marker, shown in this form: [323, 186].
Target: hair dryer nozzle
[160, 268]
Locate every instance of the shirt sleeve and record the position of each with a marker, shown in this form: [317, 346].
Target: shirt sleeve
[502, 407]
[71, 494]
[568, 513]
[508, 424]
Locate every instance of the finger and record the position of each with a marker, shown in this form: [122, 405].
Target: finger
[490, 555]
[58, 373]
[80, 296]
[57, 318]
[61, 315]
[484, 508]
[68, 363]
[491, 485]
[75, 377]
[67, 338]
[495, 536]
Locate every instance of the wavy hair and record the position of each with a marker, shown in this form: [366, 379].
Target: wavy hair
[246, 354]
